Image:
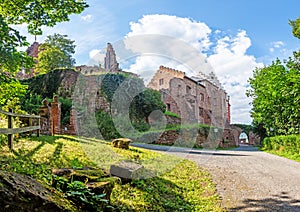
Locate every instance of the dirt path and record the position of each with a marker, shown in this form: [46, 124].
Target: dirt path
[250, 180]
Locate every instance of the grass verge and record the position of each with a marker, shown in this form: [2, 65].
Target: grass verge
[173, 185]
[281, 153]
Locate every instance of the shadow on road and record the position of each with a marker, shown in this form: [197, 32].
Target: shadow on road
[247, 148]
[280, 202]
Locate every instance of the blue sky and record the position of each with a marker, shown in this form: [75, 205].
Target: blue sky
[235, 36]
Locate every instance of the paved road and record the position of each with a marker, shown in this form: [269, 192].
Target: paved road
[247, 179]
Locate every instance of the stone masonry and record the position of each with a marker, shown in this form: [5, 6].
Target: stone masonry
[51, 119]
[56, 115]
[191, 97]
[110, 61]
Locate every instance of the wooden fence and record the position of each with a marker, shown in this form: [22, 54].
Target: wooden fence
[10, 131]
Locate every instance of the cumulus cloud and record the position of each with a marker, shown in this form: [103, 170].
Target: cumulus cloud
[277, 44]
[193, 32]
[87, 18]
[234, 67]
[228, 57]
[170, 41]
[96, 57]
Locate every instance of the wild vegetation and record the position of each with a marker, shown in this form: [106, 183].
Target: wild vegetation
[41, 14]
[275, 91]
[286, 146]
[173, 183]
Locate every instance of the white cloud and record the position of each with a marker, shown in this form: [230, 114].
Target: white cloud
[167, 40]
[277, 44]
[96, 57]
[233, 65]
[217, 31]
[229, 58]
[87, 18]
[193, 32]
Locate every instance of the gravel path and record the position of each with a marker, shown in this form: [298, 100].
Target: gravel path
[248, 179]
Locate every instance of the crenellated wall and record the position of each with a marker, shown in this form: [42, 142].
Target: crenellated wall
[162, 78]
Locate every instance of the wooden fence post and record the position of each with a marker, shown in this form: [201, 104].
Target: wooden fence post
[39, 124]
[10, 125]
[30, 124]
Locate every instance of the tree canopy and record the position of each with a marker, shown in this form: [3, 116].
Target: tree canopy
[276, 102]
[295, 27]
[275, 91]
[63, 43]
[12, 60]
[56, 52]
[38, 13]
[124, 87]
[34, 13]
[49, 58]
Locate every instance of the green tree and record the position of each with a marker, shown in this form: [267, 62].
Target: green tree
[11, 90]
[50, 58]
[145, 103]
[38, 13]
[66, 45]
[12, 60]
[132, 97]
[35, 13]
[275, 91]
[276, 102]
[296, 27]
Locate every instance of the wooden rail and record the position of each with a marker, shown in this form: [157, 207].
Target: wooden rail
[10, 131]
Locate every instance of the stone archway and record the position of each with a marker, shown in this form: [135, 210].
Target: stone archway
[243, 138]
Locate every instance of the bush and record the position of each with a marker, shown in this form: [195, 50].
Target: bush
[288, 146]
[169, 113]
[106, 125]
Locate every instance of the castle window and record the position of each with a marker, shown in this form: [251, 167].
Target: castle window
[200, 111]
[188, 89]
[161, 81]
[179, 89]
[201, 97]
[168, 107]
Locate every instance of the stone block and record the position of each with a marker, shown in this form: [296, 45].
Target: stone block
[127, 170]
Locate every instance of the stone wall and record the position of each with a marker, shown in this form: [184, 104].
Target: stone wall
[253, 139]
[193, 98]
[170, 137]
[56, 115]
[51, 119]
[173, 120]
[163, 76]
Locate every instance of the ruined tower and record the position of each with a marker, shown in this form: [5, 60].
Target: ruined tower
[110, 60]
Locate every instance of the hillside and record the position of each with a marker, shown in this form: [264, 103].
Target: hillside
[174, 183]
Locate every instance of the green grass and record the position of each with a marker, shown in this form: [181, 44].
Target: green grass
[280, 152]
[169, 113]
[170, 184]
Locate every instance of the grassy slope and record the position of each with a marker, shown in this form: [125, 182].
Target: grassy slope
[280, 152]
[175, 185]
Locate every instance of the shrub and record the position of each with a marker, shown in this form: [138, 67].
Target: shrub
[169, 113]
[288, 146]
